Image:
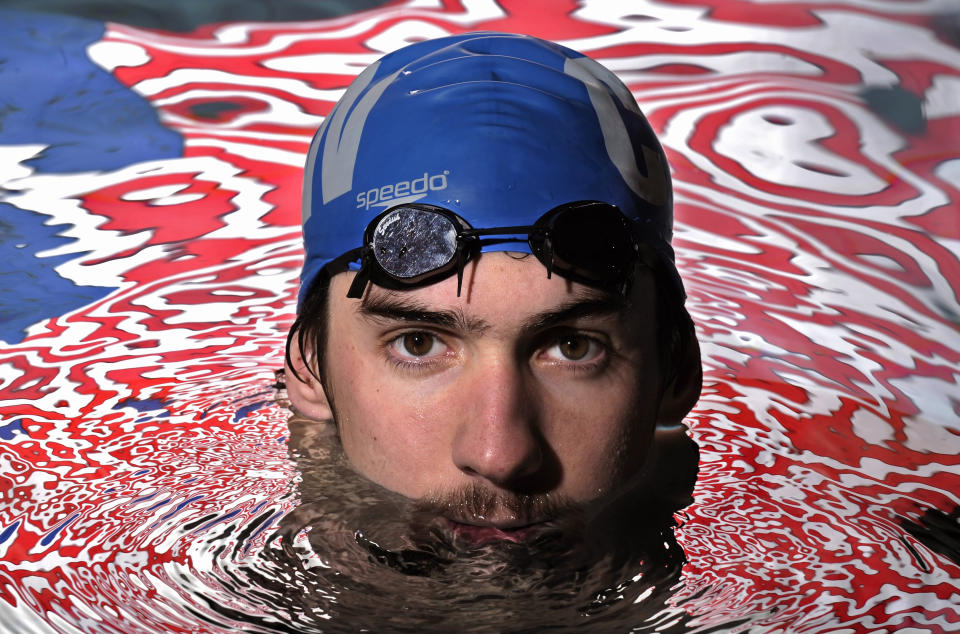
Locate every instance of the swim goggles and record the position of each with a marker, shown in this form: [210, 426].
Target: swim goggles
[414, 245]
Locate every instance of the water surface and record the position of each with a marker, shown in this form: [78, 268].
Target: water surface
[149, 223]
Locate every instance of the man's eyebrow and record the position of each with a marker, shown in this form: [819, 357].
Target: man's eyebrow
[396, 308]
[575, 309]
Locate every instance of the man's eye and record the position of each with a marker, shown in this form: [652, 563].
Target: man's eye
[574, 347]
[417, 345]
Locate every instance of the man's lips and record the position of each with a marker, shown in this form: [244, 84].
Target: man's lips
[478, 534]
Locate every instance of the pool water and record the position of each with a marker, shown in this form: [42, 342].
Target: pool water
[149, 226]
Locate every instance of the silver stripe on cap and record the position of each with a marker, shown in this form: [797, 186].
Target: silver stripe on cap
[616, 140]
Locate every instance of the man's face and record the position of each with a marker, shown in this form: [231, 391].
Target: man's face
[523, 388]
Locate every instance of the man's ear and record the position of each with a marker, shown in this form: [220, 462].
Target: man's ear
[682, 392]
[305, 392]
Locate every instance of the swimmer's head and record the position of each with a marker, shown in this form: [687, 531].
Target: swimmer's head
[531, 380]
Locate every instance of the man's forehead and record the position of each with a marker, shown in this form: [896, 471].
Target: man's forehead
[436, 295]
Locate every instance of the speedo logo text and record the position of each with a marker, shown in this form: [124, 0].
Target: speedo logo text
[407, 190]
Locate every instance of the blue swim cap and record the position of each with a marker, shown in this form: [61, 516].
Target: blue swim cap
[498, 128]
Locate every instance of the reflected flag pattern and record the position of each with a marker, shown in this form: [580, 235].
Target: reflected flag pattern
[815, 150]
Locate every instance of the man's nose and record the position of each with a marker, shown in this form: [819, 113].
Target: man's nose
[498, 438]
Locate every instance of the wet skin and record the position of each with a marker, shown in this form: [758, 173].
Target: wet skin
[501, 406]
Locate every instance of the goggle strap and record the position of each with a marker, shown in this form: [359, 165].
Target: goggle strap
[548, 255]
[359, 283]
[462, 254]
[496, 231]
[342, 263]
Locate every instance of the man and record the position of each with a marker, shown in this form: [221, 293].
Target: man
[489, 308]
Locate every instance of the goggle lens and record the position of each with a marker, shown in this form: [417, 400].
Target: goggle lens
[410, 242]
[592, 241]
